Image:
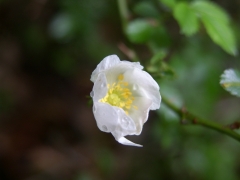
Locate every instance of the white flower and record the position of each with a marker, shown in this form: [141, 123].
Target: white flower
[122, 96]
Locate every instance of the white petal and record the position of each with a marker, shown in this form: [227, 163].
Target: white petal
[132, 64]
[105, 64]
[126, 125]
[125, 141]
[106, 116]
[113, 119]
[99, 88]
[149, 86]
[120, 68]
[140, 115]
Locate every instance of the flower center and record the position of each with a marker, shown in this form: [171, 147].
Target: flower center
[119, 95]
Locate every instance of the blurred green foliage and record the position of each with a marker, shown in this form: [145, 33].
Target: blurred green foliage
[187, 18]
[139, 31]
[48, 50]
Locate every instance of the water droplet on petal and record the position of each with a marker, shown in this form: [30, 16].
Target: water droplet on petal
[135, 87]
[117, 111]
[94, 109]
[104, 128]
[114, 113]
[92, 93]
[125, 121]
[103, 85]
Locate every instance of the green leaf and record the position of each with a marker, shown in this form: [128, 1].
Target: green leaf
[155, 62]
[216, 22]
[157, 67]
[159, 56]
[211, 10]
[187, 18]
[230, 81]
[139, 31]
[221, 34]
[146, 9]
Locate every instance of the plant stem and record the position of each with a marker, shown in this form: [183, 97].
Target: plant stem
[199, 121]
[124, 15]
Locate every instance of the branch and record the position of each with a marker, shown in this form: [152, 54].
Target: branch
[128, 52]
[235, 125]
[199, 121]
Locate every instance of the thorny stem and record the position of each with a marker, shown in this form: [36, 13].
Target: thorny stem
[188, 117]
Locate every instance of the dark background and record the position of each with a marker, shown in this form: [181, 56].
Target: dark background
[48, 50]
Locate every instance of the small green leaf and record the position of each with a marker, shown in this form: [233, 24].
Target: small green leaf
[216, 22]
[146, 9]
[230, 81]
[158, 57]
[221, 34]
[155, 62]
[139, 31]
[187, 18]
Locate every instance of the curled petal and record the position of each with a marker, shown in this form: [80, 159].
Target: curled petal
[113, 119]
[105, 64]
[106, 117]
[131, 64]
[100, 87]
[149, 87]
[140, 114]
[125, 141]
[126, 125]
[121, 68]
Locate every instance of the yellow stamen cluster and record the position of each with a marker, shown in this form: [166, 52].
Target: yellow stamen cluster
[119, 95]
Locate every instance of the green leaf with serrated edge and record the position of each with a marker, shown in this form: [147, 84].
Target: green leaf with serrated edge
[211, 10]
[230, 81]
[216, 22]
[139, 31]
[221, 34]
[187, 18]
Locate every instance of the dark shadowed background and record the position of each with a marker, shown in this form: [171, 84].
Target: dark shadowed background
[48, 50]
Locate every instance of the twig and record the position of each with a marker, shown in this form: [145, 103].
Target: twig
[128, 52]
[235, 125]
[199, 121]
[123, 11]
